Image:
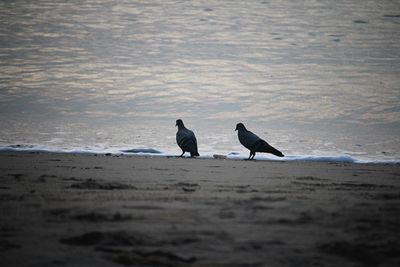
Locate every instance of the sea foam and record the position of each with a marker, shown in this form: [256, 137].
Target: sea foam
[145, 151]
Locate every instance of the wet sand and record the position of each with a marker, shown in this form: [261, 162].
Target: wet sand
[87, 210]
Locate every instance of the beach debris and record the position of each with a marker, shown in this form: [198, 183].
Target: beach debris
[185, 189]
[86, 239]
[142, 150]
[17, 176]
[360, 21]
[153, 258]
[186, 184]
[218, 156]
[111, 239]
[100, 217]
[93, 184]
[72, 179]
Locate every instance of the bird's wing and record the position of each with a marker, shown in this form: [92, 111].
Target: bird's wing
[248, 139]
[186, 140]
[193, 138]
[263, 146]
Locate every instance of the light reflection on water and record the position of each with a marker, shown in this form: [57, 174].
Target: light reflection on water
[311, 77]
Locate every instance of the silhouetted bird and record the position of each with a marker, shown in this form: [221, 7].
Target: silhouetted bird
[254, 143]
[186, 140]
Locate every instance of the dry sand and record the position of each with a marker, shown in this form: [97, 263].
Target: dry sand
[86, 210]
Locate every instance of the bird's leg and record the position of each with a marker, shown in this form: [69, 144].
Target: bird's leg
[249, 156]
[183, 152]
[254, 154]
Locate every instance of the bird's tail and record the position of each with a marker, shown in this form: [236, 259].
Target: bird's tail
[276, 152]
[194, 154]
[265, 147]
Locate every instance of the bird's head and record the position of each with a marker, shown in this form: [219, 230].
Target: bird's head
[179, 123]
[240, 126]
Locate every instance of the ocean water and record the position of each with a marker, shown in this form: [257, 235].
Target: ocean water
[315, 79]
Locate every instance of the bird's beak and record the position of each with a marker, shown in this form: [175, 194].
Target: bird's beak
[176, 124]
[236, 129]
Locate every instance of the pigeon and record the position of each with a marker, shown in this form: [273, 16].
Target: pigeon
[186, 140]
[254, 143]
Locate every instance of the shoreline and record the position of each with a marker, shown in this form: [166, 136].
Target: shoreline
[77, 210]
[152, 152]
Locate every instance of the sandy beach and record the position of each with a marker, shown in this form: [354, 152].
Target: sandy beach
[96, 210]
